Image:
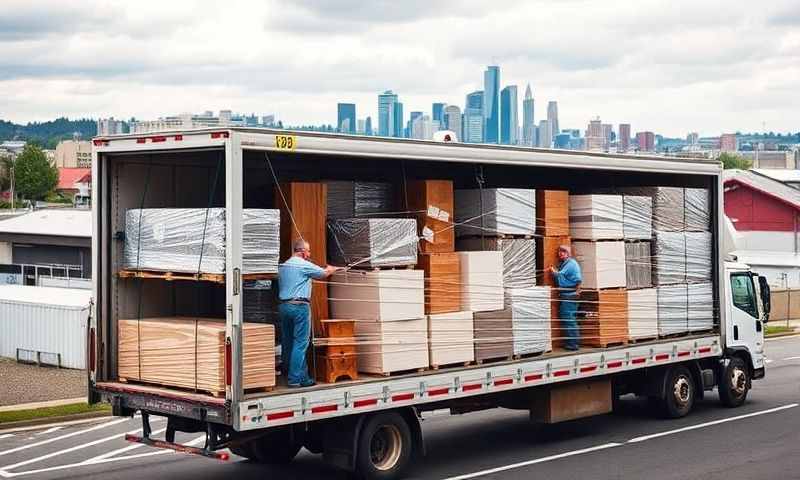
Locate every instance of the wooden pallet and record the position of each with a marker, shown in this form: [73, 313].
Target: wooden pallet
[215, 394]
[451, 365]
[642, 339]
[520, 356]
[494, 360]
[676, 335]
[399, 372]
[193, 277]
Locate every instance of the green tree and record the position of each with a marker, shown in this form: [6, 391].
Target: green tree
[730, 161]
[34, 177]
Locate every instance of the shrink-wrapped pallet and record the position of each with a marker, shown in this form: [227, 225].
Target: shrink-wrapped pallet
[637, 217]
[701, 306]
[381, 295]
[643, 313]
[450, 338]
[481, 281]
[373, 242]
[638, 267]
[530, 319]
[604, 317]
[668, 206]
[673, 309]
[385, 347]
[698, 210]
[669, 258]
[495, 211]
[698, 256]
[595, 217]
[348, 199]
[602, 263]
[519, 257]
[260, 303]
[493, 335]
[176, 239]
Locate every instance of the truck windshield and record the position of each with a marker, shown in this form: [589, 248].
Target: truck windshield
[744, 293]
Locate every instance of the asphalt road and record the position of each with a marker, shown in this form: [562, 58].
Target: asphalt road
[758, 440]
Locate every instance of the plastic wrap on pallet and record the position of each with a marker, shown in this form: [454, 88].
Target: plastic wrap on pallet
[668, 206]
[530, 319]
[175, 239]
[373, 242]
[701, 306]
[643, 313]
[602, 263]
[260, 302]
[669, 258]
[637, 217]
[698, 256]
[638, 267]
[673, 308]
[596, 217]
[348, 199]
[498, 211]
[698, 210]
[519, 257]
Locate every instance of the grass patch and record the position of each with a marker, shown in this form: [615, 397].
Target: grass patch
[776, 329]
[59, 411]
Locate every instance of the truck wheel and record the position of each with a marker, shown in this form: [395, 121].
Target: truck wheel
[734, 383]
[244, 450]
[384, 447]
[679, 393]
[275, 448]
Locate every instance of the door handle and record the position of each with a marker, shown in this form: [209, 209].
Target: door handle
[758, 325]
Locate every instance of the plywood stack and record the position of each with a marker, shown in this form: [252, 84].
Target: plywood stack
[495, 212]
[673, 310]
[450, 338]
[190, 353]
[602, 263]
[699, 248]
[552, 207]
[373, 242]
[643, 313]
[481, 281]
[604, 319]
[519, 257]
[638, 267]
[386, 347]
[552, 213]
[493, 335]
[700, 302]
[669, 258]
[335, 350]
[530, 319]
[596, 217]
[431, 203]
[347, 199]
[442, 282]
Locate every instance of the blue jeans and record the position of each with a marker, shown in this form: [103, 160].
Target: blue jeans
[568, 313]
[295, 327]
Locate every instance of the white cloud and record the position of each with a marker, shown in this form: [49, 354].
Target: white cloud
[670, 67]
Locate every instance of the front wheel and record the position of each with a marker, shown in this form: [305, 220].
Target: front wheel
[679, 394]
[734, 383]
[384, 447]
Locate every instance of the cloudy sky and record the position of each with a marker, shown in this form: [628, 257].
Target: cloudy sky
[671, 66]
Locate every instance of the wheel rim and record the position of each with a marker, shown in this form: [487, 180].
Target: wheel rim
[385, 447]
[682, 391]
[738, 381]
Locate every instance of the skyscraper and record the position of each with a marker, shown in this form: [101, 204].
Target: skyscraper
[509, 121]
[409, 128]
[528, 121]
[452, 120]
[608, 133]
[646, 141]
[594, 136]
[491, 104]
[368, 126]
[438, 113]
[552, 117]
[386, 123]
[693, 138]
[473, 123]
[624, 138]
[545, 139]
[728, 142]
[346, 122]
[398, 119]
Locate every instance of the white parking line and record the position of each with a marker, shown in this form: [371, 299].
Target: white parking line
[68, 435]
[792, 358]
[49, 430]
[121, 450]
[6, 435]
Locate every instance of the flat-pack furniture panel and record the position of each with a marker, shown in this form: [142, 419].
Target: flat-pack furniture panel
[450, 338]
[643, 313]
[392, 346]
[431, 203]
[604, 317]
[595, 217]
[347, 199]
[699, 250]
[700, 306]
[377, 295]
[602, 263]
[442, 282]
[481, 281]
[373, 242]
[638, 266]
[495, 211]
[669, 258]
[637, 217]
[519, 257]
[698, 210]
[552, 213]
[673, 309]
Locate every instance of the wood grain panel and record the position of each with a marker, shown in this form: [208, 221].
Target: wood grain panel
[442, 282]
[420, 195]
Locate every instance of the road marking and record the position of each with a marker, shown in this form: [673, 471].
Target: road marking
[709, 424]
[6, 435]
[792, 358]
[121, 450]
[68, 435]
[49, 430]
[61, 424]
[534, 462]
[768, 361]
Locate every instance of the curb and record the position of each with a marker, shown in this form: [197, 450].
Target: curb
[45, 404]
[11, 426]
[780, 335]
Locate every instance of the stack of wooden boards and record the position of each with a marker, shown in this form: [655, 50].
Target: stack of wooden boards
[189, 353]
[552, 214]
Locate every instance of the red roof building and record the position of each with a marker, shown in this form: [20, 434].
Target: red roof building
[71, 179]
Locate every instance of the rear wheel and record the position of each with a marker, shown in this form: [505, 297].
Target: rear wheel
[679, 394]
[244, 450]
[734, 383]
[384, 447]
[275, 448]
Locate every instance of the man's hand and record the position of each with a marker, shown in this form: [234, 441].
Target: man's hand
[330, 270]
[553, 270]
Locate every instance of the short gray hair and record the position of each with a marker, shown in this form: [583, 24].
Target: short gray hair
[299, 245]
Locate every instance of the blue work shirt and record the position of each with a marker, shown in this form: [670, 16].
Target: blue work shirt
[294, 278]
[568, 275]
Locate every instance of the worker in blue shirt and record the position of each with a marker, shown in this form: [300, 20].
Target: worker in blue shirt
[568, 279]
[294, 311]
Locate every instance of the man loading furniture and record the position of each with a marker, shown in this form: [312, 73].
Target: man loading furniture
[568, 279]
[294, 311]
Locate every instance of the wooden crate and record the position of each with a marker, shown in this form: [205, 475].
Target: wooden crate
[604, 317]
[307, 204]
[336, 351]
[552, 213]
[442, 282]
[546, 257]
[334, 368]
[433, 202]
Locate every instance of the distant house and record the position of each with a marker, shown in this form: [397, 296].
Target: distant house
[766, 216]
[74, 181]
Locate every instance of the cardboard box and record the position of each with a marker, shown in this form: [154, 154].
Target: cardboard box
[602, 263]
[373, 242]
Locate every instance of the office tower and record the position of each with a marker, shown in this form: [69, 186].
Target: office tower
[346, 122]
[545, 139]
[225, 117]
[491, 104]
[438, 113]
[595, 141]
[552, 117]
[268, 120]
[386, 114]
[509, 122]
[368, 126]
[608, 133]
[452, 120]
[646, 141]
[728, 142]
[360, 124]
[693, 138]
[562, 140]
[398, 119]
[624, 138]
[474, 121]
[528, 121]
[413, 116]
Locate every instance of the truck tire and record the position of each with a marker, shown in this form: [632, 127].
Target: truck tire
[679, 393]
[275, 448]
[244, 450]
[734, 383]
[384, 447]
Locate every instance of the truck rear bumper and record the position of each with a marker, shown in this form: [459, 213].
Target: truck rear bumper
[129, 398]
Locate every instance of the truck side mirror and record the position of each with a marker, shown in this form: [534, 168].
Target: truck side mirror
[765, 296]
